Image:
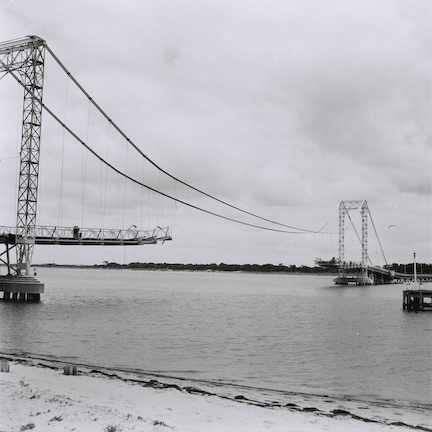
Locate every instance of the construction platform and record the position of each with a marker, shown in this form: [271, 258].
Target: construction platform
[417, 300]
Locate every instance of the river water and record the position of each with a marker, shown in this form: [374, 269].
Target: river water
[295, 333]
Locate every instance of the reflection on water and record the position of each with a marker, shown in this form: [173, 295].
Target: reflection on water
[18, 321]
[296, 333]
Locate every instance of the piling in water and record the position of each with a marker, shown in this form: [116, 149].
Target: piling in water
[70, 370]
[417, 300]
[4, 366]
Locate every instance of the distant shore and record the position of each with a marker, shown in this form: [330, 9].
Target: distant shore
[244, 268]
[222, 267]
[37, 394]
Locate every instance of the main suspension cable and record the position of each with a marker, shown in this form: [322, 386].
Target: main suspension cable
[157, 166]
[157, 191]
[300, 230]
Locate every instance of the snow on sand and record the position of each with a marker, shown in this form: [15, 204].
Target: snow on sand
[42, 398]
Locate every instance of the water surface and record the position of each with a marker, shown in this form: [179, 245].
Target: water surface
[285, 332]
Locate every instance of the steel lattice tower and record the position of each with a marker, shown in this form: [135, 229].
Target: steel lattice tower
[344, 208]
[26, 57]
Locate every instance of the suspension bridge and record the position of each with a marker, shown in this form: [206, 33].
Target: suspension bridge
[24, 60]
[362, 272]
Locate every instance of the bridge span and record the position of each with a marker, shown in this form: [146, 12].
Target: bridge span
[53, 235]
[364, 272]
[356, 273]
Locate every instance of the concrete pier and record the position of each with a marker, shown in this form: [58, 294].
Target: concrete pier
[21, 288]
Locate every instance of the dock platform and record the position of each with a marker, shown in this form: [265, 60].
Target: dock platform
[417, 300]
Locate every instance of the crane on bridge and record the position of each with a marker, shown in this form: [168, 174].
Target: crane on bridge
[24, 59]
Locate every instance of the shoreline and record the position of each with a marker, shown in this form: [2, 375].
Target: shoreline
[36, 389]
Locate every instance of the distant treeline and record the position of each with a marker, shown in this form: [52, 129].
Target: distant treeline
[422, 268]
[250, 268]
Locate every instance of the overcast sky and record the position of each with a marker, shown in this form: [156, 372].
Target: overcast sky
[283, 108]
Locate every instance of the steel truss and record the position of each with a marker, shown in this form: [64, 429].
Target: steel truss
[344, 208]
[27, 57]
[87, 236]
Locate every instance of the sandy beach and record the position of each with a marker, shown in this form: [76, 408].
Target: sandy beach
[38, 395]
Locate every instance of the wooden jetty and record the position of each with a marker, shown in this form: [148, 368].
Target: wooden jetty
[417, 300]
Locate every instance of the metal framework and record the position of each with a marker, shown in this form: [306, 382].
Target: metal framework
[24, 59]
[87, 236]
[27, 57]
[344, 208]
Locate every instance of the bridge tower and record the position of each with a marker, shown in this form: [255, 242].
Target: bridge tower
[360, 273]
[26, 57]
[344, 208]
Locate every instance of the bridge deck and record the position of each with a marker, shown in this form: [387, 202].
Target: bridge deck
[351, 270]
[70, 236]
